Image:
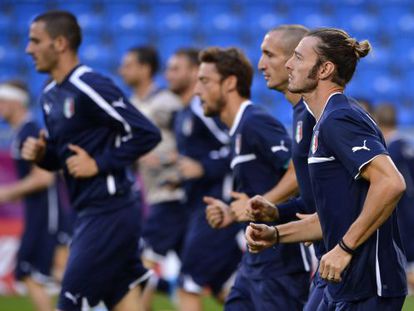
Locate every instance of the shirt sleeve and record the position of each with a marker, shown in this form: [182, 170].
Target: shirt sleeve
[136, 135]
[353, 140]
[216, 163]
[271, 140]
[287, 211]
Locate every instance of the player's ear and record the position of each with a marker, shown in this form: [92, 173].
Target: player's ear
[230, 83]
[60, 43]
[326, 70]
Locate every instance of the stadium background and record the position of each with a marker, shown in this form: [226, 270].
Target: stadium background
[110, 27]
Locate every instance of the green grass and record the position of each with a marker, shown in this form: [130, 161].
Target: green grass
[161, 303]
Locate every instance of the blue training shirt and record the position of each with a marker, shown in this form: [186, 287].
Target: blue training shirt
[261, 150]
[205, 140]
[402, 153]
[88, 110]
[345, 139]
[42, 207]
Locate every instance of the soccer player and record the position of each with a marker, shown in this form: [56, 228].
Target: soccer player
[356, 184]
[209, 257]
[164, 228]
[276, 279]
[38, 190]
[94, 135]
[401, 151]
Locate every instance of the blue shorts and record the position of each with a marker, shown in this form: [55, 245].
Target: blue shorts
[285, 292]
[164, 229]
[316, 293]
[376, 303]
[104, 259]
[210, 256]
[36, 251]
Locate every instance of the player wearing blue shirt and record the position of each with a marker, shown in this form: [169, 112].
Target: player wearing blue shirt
[38, 190]
[94, 135]
[209, 257]
[401, 149]
[260, 151]
[355, 183]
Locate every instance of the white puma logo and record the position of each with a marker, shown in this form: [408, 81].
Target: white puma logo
[73, 298]
[119, 103]
[280, 147]
[363, 147]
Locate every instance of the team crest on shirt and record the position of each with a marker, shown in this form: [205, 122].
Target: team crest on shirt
[187, 126]
[237, 145]
[314, 144]
[69, 107]
[299, 132]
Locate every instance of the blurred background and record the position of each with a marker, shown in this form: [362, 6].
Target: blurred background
[111, 27]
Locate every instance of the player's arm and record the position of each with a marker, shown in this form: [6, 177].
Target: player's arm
[386, 187]
[37, 180]
[286, 187]
[135, 134]
[261, 236]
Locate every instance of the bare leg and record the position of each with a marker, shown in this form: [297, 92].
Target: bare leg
[189, 301]
[38, 295]
[131, 301]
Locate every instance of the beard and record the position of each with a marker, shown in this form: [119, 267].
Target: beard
[214, 111]
[309, 84]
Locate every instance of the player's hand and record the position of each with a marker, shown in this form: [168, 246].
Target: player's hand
[34, 148]
[260, 237]
[190, 168]
[333, 263]
[81, 164]
[218, 213]
[239, 206]
[260, 209]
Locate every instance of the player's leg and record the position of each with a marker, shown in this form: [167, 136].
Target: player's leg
[189, 301]
[163, 231]
[239, 298]
[209, 259]
[316, 294]
[130, 302]
[38, 295]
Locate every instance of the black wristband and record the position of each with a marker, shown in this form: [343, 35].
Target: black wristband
[277, 235]
[345, 247]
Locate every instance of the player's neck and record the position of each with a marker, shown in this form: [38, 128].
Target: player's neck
[317, 99]
[292, 98]
[64, 67]
[187, 95]
[231, 109]
[144, 88]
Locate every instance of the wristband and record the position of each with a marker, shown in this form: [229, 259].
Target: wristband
[277, 235]
[345, 247]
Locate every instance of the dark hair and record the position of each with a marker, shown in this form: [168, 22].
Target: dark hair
[147, 55]
[292, 34]
[62, 23]
[386, 115]
[336, 46]
[231, 62]
[191, 54]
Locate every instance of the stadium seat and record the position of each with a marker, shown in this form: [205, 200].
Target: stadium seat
[261, 18]
[217, 18]
[124, 18]
[172, 19]
[97, 56]
[167, 45]
[23, 14]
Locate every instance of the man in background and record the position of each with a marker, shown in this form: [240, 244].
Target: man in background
[43, 215]
[401, 151]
